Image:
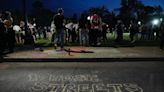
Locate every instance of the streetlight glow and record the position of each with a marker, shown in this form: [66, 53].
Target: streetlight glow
[139, 22]
[88, 18]
[155, 22]
[161, 19]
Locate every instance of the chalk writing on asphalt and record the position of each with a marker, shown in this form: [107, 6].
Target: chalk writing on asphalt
[78, 83]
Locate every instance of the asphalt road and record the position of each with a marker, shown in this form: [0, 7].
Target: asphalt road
[82, 77]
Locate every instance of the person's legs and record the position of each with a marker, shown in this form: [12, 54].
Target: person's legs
[44, 34]
[69, 35]
[95, 37]
[121, 36]
[91, 37]
[104, 36]
[87, 37]
[99, 37]
[73, 36]
[56, 38]
[39, 34]
[157, 35]
[11, 39]
[61, 38]
[53, 37]
[133, 37]
[84, 37]
[17, 38]
[117, 37]
[81, 37]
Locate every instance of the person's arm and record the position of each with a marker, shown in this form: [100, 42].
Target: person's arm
[91, 20]
[64, 21]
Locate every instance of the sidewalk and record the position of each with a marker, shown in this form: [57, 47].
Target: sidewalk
[99, 53]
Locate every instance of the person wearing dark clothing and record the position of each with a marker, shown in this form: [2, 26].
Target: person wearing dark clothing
[10, 33]
[156, 30]
[45, 32]
[2, 36]
[83, 34]
[133, 30]
[34, 29]
[95, 28]
[39, 31]
[82, 21]
[29, 37]
[119, 30]
[11, 39]
[161, 35]
[144, 32]
[22, 33]
[74, 35]
[59, 24]
[104, 31]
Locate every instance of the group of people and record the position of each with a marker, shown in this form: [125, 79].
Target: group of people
[92, 30]
[7, 34]
[88, 31]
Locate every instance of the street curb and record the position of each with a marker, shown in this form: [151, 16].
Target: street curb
[82, 59]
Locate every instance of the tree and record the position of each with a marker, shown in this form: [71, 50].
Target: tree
[74, 18]
[134, 10]
[125, 12]
[37, 5]
[17, 16]
[101, 11]
[158, 10]
[107, 16]
[43, 15]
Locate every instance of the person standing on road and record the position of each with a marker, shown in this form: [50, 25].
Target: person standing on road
[119, 30]
[133, 30]
[59, 21]
[95, 22]
[2, 35]
[10, 33]
[83, 32]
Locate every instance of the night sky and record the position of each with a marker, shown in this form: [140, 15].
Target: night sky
[72, 6]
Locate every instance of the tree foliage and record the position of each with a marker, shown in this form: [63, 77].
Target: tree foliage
[42, 15]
